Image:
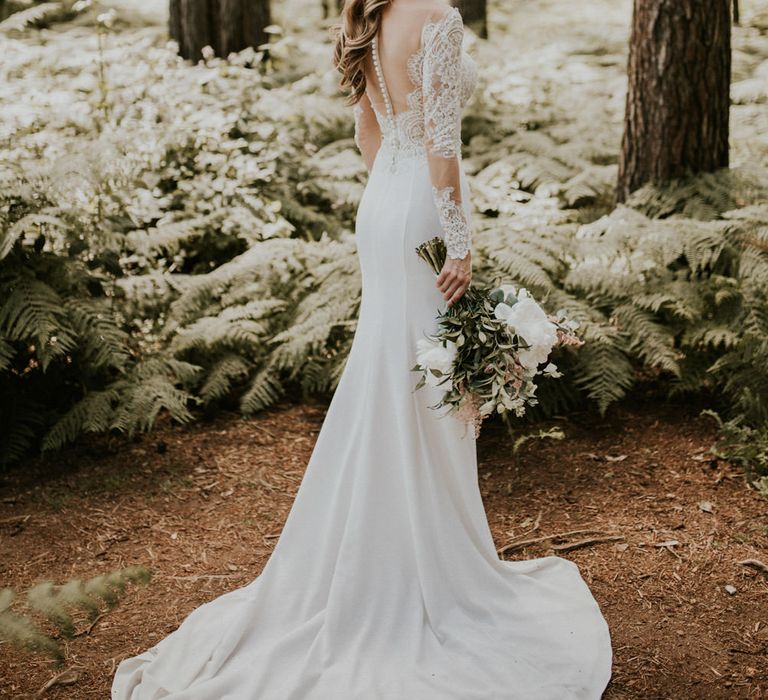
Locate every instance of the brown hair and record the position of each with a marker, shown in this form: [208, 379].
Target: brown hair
[360, 21]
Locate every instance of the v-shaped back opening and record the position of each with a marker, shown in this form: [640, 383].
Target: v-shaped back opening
[381, 82]
[397, 78]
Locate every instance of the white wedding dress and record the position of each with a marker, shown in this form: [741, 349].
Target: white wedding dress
[385, 583]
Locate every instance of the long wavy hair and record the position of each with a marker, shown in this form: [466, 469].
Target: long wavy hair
[360, 21]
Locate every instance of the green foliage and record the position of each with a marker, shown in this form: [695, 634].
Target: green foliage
[744, 445]
[56, 606]
[68, 363]
[548, 434]
[174, 236]
[146, 201]
[42, 15]
[283, 312]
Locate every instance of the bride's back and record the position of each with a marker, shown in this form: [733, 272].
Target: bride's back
[399, 40]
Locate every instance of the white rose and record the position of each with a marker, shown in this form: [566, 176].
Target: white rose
[432, 354]
[530, 322]
[502, 311]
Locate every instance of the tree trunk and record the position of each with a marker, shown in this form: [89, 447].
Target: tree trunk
[224, 25]
[475, 14]
[330, 8]
[736, 18]
[676, 120]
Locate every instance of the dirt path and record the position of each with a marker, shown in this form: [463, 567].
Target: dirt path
[203, 507]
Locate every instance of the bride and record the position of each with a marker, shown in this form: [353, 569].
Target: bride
[385, 583]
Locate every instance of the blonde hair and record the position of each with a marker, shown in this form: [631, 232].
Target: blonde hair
[360, 22]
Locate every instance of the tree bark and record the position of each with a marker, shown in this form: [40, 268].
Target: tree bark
[330, 8]
[224, 25]
[676, 119]
[475, 15]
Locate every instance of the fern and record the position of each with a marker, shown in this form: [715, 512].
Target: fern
[21, 418]
[56, 604]
[92, 414]
[602, 368]
[223, 375]
[103, 344]
[21, 631]
[154, 387]
[33, 16]
[7, 353]
[648, 340]
[265, 389]
[33, 312]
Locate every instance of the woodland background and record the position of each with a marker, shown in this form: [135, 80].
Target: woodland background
[177, 255]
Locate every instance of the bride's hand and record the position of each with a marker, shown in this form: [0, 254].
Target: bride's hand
[454, 278]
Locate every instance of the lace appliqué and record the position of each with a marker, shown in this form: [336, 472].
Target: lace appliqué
[403, 133]
[456, 230]
[442, 72]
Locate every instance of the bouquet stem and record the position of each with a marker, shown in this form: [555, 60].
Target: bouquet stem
[434, 252]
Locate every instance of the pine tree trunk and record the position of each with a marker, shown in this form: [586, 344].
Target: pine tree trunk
[475, 14]
[330, 8]
[676, 119]
[224, 25]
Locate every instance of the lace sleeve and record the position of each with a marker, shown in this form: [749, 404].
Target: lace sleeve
[441, 90]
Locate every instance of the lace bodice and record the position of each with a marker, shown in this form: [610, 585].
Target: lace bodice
[403, 134]
[442, 76]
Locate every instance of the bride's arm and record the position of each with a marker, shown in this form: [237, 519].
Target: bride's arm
[442, 129]
[367, 133]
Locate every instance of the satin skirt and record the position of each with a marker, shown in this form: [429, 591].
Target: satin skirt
[385, 583]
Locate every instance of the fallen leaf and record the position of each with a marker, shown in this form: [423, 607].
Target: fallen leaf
[618, 458]
[706, 506]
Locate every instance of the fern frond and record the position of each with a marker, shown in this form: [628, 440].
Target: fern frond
[222, 375]
[33, 313]
[601, 367]
[145, 398]
[265, 390]
[7, 353]
[21, 631]
[649, 340]
[100, 339]
[92, 414]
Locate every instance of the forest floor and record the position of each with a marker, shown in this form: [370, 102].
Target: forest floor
[202, 507]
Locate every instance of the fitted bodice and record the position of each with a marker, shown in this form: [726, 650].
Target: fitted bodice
[429, 77]
[403, 133]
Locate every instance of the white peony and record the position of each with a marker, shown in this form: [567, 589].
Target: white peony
[432, 354]
[530, 322]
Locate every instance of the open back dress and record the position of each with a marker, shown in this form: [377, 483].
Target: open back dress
[385, 583]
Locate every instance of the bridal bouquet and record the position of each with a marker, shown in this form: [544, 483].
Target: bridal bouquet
[489, 348]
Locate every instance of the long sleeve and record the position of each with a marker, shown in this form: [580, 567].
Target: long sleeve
[367, 132]
[441, 90]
